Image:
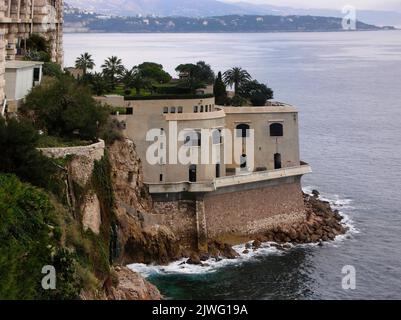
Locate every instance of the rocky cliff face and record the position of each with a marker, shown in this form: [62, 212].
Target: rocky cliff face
[106, 196]
[140, 238]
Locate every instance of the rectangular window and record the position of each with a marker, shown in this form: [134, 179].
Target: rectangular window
[129, 110]
[36, 74]
[172, 110]
[161, 178]
[165, 110]
[179, 109]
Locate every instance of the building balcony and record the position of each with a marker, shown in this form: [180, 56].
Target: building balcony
[229, 181]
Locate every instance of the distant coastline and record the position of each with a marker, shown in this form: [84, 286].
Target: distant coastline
[87, 22]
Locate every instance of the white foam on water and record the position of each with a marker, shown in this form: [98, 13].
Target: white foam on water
[212, 265]
[340, 204]
[209, 266]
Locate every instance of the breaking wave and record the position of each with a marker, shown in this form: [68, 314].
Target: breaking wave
[344, 206]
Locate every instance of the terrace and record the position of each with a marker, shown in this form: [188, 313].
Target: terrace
[229, 181]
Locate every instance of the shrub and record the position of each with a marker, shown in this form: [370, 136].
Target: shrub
[29, 241]
[258, 99]
[52, 69]
[62, 107]
[18, 142]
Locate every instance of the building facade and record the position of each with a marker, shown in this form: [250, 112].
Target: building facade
[21, 18]
[241, 178]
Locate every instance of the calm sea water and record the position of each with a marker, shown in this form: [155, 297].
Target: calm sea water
[347, 87]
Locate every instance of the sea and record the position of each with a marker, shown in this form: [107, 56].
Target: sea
[347, 88]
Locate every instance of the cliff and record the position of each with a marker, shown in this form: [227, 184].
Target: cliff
[99, 217]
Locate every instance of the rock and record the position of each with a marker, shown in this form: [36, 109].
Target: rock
[130, 286]
[204, 257]
[229, 252]
[256, 244]
[246, 251]
[194, 259]
[248, 245]
[315, 193]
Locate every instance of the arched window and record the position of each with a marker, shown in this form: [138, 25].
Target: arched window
[195, 108]
[242, 130]
[276, 130]
[193, 139]
[201, 109]
[179, 109]
[172, 110]
[217, 136]
[165, 110]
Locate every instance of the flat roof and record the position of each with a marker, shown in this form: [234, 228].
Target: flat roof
[20, 64]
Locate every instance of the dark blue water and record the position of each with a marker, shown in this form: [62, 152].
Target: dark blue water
[347, 87]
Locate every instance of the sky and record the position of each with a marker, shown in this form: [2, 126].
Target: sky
[332, 4]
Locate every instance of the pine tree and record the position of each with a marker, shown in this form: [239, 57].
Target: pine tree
[219, 90]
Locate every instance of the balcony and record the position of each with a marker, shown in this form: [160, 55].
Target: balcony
[229, 181]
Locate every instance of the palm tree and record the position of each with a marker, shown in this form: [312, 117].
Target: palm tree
[237, 77]
[112, 68]
[127, 78]
[84, 62]
[98, 84]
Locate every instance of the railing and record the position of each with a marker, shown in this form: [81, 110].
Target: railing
[262, 176]
[228, 181]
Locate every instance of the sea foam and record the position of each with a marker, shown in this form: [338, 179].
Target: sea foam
[343, 205]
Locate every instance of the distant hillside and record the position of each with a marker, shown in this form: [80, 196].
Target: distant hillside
[207, 8]
[78, 21]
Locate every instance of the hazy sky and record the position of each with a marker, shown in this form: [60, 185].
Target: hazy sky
[332, 4]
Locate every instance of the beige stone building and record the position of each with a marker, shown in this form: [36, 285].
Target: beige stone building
[19, 19]
[243, 177]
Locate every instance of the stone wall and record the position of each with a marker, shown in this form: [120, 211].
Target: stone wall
[95, 150]
[255, 210]
[181, 217]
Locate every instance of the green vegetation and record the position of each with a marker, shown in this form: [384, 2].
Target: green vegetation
[246, 89]
[84, 62]
[149, 81]
[219, 90]
[30, 238]
[40, 227]
[154, 72]
[18, 141]
[63, 108]
[170, 96]
[46, 141]
[52, 69]
[236, 77]
[37, 48]
[112, 69]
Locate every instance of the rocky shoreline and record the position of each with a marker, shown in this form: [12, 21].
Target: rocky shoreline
[321, 224]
